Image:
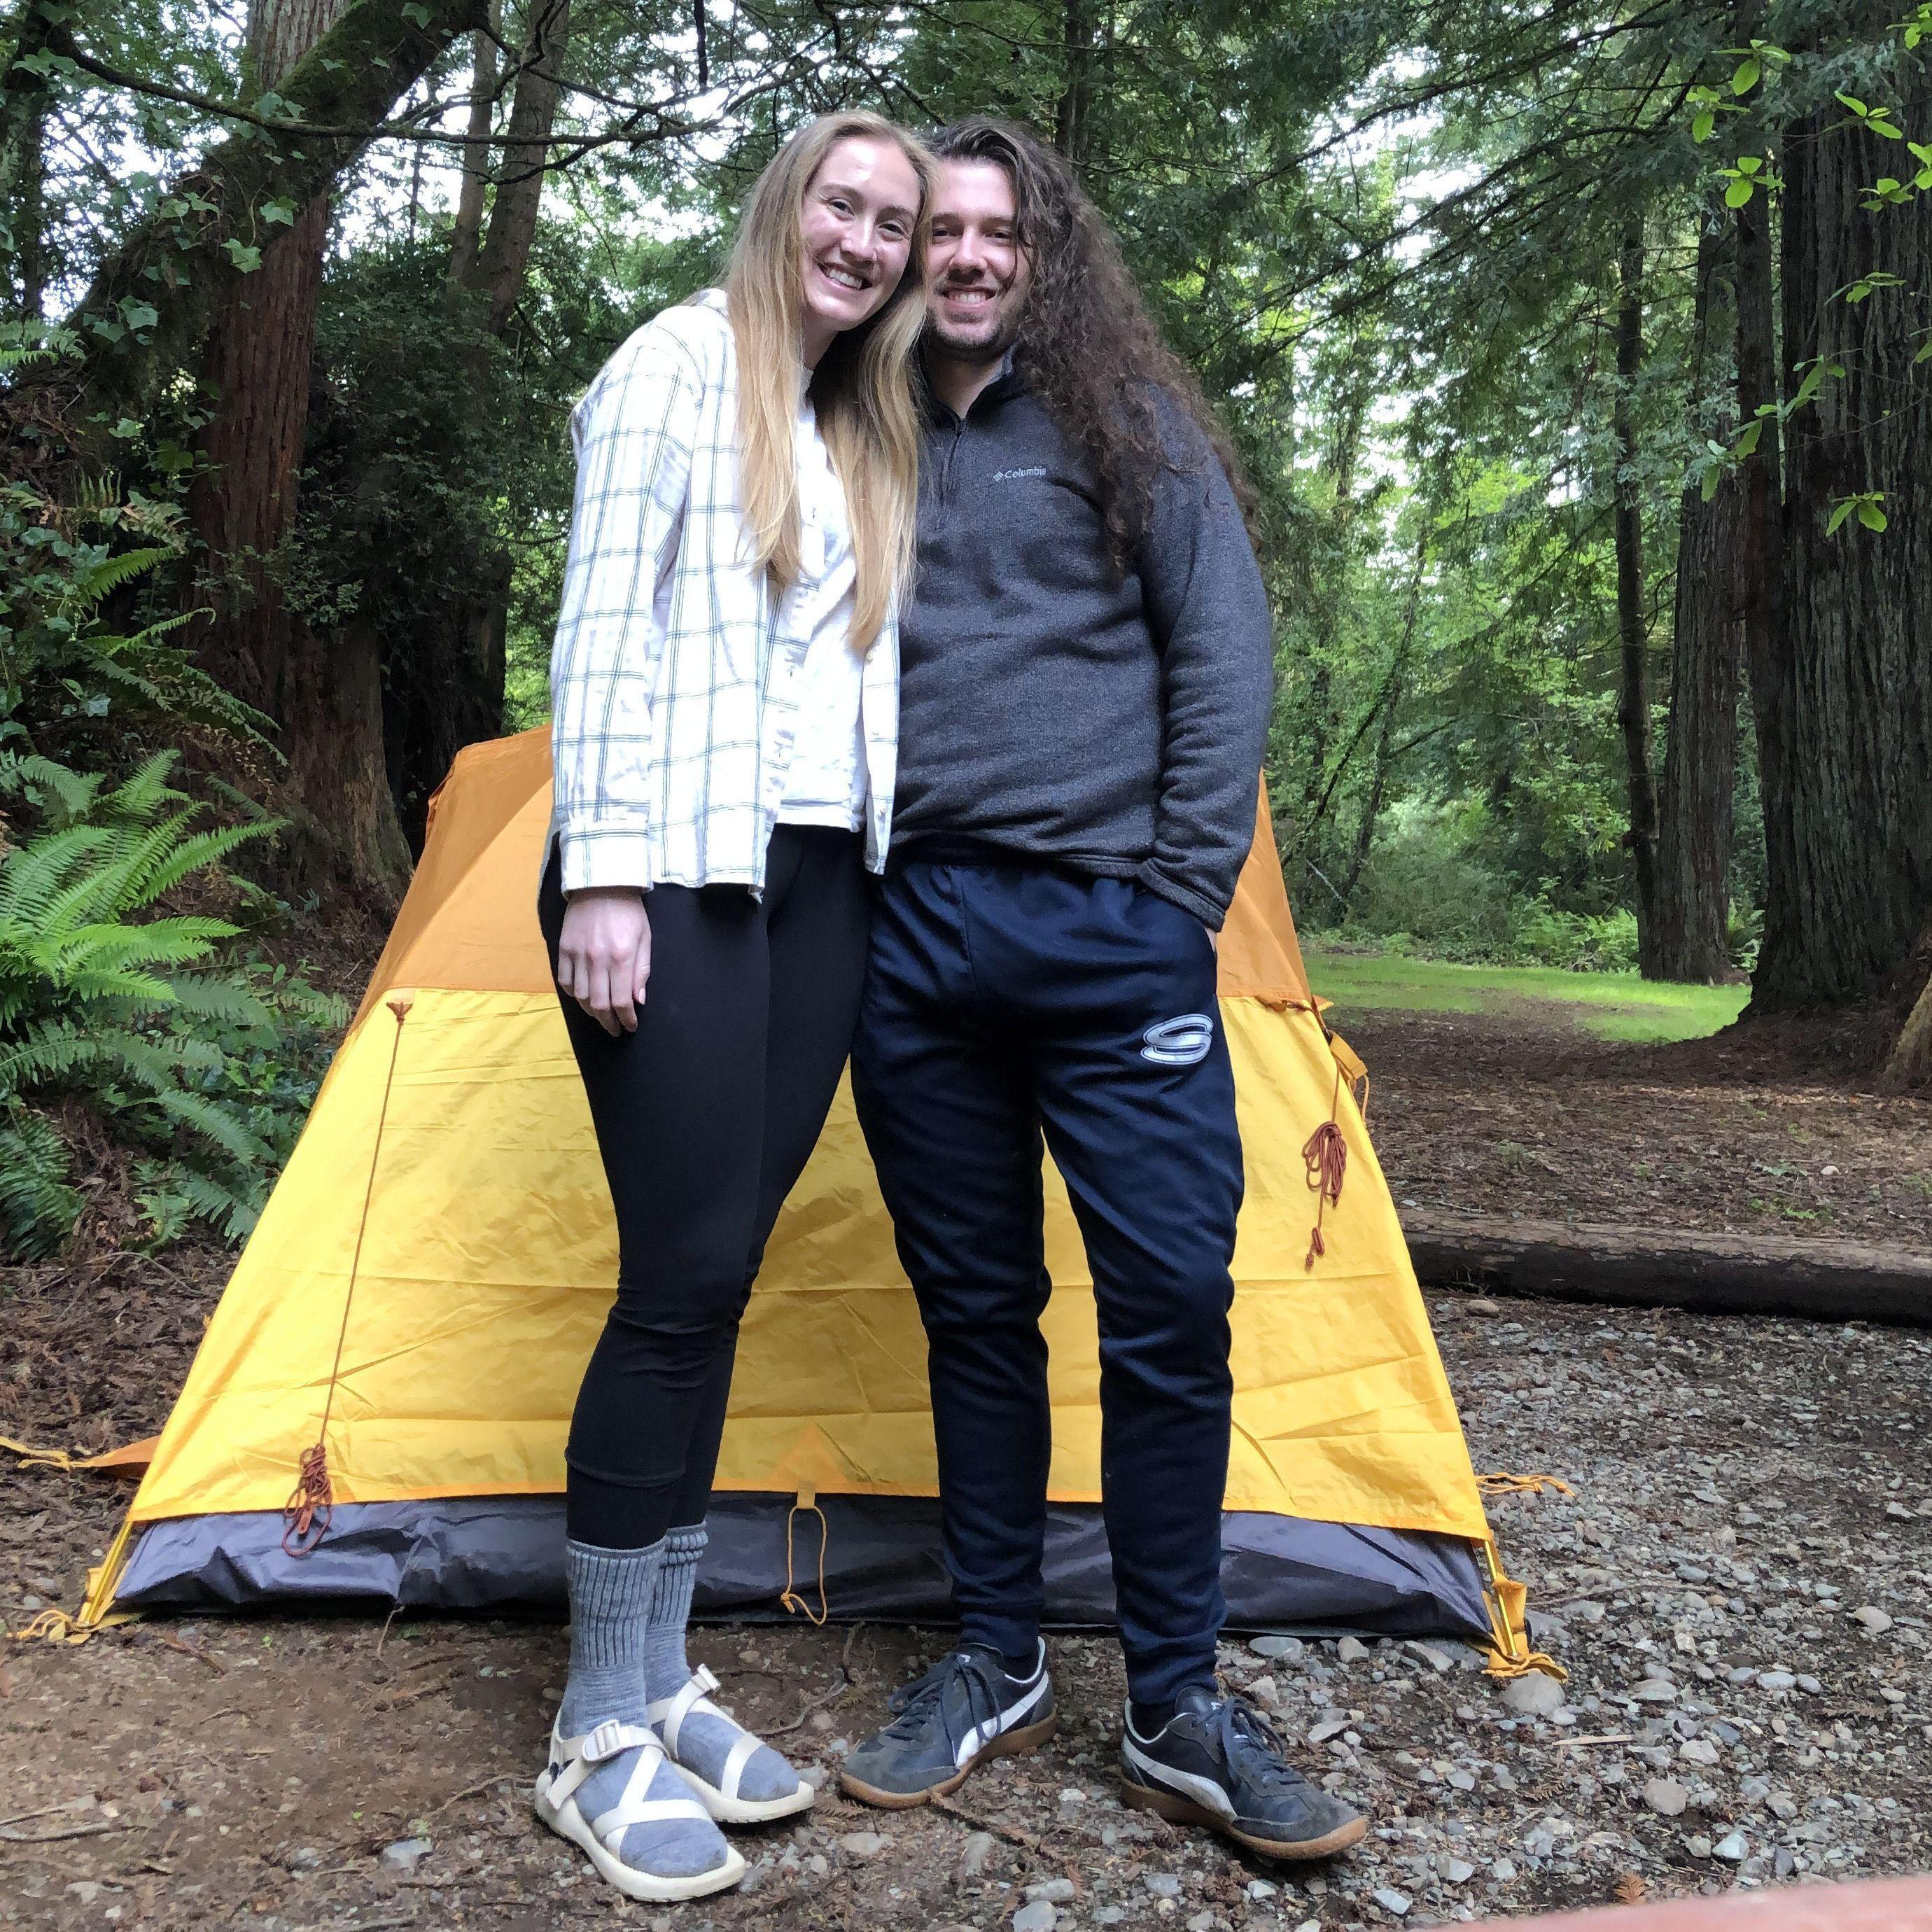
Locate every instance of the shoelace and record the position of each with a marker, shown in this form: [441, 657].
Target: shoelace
[1254, 1748]
[916, 1701]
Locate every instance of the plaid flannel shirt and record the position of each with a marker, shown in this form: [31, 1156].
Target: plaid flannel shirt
[674, 675]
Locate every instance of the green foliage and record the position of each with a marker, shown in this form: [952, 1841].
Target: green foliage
[108, 1000]
[85, 672]
[1436, 885]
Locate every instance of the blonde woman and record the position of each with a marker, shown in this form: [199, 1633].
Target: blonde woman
[725, 689]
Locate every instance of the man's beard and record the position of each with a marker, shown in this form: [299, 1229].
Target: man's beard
[993, 348]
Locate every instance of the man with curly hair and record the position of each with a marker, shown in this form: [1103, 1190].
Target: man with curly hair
[1085, 683]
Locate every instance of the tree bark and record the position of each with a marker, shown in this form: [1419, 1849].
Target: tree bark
[447, 691]
[1910, 1064]
[256, 365]
[1393, 690]
[1647, 1267]
[1634, 689]
[24, 99]
[1073, 129]
[504, 260]
[1847, 738]
[467, 235]
[1700, 757]
[348, 82]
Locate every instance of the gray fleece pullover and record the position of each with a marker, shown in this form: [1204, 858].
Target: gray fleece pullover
[1054, 707]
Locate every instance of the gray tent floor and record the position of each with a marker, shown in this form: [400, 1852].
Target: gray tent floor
[881, 1559]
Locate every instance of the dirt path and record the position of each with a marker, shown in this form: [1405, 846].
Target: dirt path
[1739, 1588]
[1521, 1112]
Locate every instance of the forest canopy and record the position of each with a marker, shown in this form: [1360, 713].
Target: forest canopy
[1579, 355]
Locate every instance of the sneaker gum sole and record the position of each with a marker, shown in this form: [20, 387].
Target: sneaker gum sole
[1008, 1743]
[567, 1821]
[1179, 1811]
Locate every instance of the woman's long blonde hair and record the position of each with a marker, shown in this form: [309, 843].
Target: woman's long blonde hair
[863, 387]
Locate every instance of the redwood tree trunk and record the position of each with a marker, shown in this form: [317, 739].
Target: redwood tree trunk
[24, 99]
[1848, 747]
[504, 262]
[1633, 687]
[1072, 121]
[255, 364]
[448, 690]
[1911, 1062]
[1393, 690]
[181, 262]
[467, 236]
[1700, 767]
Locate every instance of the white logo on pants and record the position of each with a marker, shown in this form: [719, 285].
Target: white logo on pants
[1182, 1042]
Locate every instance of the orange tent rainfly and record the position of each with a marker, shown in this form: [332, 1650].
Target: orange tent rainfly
[379, 1408]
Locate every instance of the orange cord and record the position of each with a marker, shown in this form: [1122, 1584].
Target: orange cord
[789, 1598]
[311, 1506]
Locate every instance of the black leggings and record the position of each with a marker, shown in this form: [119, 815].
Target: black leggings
[705, 1118]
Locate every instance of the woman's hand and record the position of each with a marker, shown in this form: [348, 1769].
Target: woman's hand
[603, 954]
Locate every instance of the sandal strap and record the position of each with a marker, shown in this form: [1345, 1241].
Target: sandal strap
[742, 1751]
[668, 1714]
[580, 1756]
[635, 1807]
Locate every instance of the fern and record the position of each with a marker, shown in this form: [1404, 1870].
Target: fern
[214, 1123]
[62, 670]
[37, 1206]
[103, 579]
[174, 1196]
[65, 795]
[95, 1001]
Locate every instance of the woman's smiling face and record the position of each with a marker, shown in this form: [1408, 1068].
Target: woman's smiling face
[856, 222]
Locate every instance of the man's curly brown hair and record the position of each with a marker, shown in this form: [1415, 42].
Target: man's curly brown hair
[1087, 347]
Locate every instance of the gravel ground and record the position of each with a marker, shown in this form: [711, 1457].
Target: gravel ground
[1737, 1587]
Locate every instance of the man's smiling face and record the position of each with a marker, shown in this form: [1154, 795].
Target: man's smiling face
[978, 273]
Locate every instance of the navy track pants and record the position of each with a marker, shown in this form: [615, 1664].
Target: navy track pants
[1006, 999]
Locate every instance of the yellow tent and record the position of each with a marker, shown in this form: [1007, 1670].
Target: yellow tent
[402, 1340]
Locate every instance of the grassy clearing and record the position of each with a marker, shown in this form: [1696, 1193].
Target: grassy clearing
[1614, 1006]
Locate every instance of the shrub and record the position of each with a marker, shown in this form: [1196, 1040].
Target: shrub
[97, 1003]
[69, 676]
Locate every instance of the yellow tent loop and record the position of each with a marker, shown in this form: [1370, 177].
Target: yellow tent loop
[1511, 1654]
[55, 1626]
[480, 1252]
[130, 1460]
[97, 1611]
[1500, 1483]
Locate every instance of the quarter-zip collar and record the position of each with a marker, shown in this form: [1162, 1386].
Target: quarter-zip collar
[1007, 384]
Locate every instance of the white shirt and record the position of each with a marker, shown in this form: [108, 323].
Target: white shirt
[826, 783]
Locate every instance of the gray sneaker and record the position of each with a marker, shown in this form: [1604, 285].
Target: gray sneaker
[964, 1709]
[1218, 1762]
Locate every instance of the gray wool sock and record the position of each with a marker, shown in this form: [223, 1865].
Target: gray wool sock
[610, 1593]
[703, 1742]
[665, 1664]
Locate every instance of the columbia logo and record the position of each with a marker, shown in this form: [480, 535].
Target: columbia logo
[1014, 476]
[1182, 1042]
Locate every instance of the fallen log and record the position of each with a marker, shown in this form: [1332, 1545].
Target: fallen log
[1674, 1268]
